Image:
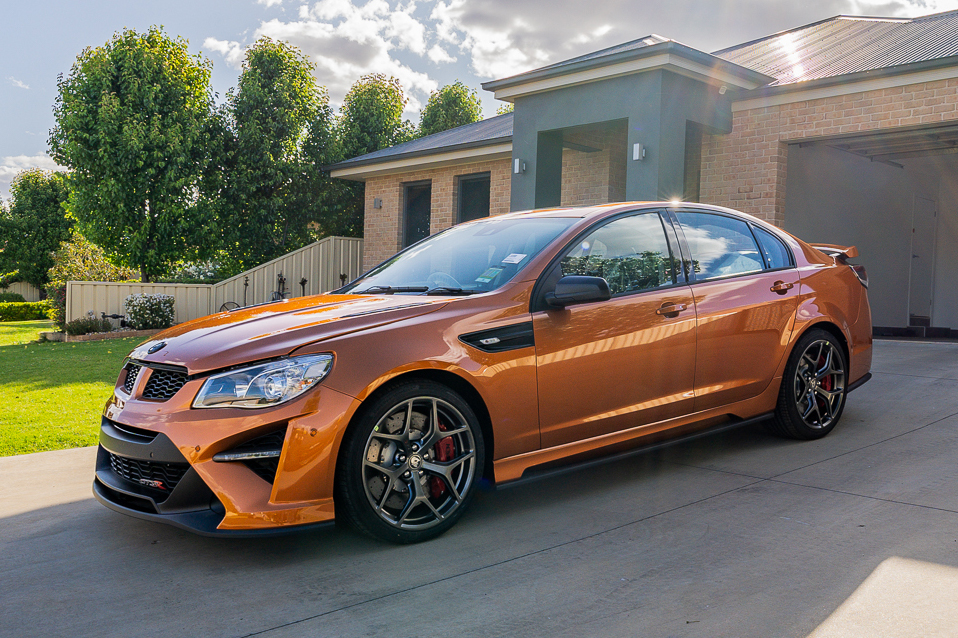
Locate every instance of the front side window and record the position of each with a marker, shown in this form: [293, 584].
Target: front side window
[630, 253]
[475, 257]
[721, 246]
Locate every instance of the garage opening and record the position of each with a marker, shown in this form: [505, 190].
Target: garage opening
[895, 196]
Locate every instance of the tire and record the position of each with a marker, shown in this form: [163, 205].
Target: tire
[400, 477]
[812, 396]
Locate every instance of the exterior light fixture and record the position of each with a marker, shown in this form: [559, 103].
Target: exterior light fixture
[638, 152]
[518, 166]
[723, 89]
[377, 202]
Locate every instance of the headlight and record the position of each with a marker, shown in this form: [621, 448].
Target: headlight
[265, 384]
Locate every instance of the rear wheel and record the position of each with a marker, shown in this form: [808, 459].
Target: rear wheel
[410, 465]
[812, 396]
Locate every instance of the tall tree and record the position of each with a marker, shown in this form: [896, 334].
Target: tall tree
[35, 223]
[451, 106]
[132, 121]
[281, 123]
[370, 119]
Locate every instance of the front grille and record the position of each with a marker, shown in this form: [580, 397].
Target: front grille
[163, 384]
[134, 470]
[132, 371]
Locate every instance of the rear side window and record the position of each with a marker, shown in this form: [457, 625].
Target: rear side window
[721, 246]
[776, 254]
[631, 253]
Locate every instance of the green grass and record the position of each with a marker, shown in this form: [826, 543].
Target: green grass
[14, 332]
[53, 393]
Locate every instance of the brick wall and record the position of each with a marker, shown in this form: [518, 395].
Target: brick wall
[746, 169]
[383, 226]
[593, 178]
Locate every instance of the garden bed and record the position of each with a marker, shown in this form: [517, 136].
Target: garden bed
[96, 336]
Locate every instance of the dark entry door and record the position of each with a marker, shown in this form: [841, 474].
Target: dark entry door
[416, 212]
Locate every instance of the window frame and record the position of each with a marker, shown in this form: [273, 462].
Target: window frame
[472, 177]
[552, 272]
[404, 225]
[687, 252]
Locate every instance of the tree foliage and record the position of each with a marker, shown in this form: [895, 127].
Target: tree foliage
[133, 122]
[280, 125]
[34, 225]
[369, 120]
[505, 108]
[451, 106]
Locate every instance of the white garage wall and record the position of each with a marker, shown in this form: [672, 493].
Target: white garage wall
[945, 308]
[838, 198]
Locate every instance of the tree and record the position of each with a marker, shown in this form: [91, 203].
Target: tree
[370, 119]
[451, 106]
[35, 224]
[505, 108]
[281, 138]
[133, 123]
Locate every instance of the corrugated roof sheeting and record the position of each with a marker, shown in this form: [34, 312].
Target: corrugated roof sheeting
[494, 128]
[846, 44]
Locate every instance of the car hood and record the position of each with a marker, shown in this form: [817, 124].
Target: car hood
[271, 330]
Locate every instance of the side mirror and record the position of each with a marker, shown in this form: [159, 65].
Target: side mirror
[574, 289]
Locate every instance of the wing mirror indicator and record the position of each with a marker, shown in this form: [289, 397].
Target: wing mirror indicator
[575, 289]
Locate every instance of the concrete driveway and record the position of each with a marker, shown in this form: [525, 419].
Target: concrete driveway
[738, 534]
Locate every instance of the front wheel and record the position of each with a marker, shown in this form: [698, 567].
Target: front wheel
[410, 465]
[812, 396]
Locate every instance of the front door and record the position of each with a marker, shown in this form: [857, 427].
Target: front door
[922, 262]
[612, 365]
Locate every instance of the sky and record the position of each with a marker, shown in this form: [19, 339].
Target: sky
[426, 44]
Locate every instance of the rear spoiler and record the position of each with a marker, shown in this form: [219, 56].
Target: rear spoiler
[840, 253]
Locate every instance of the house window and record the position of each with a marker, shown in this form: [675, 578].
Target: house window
[417, 206]
[473, 197]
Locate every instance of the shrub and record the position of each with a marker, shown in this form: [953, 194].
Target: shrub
[24, 311]
[79, 260]
[145, 312]
[86, 325]
[11, 297]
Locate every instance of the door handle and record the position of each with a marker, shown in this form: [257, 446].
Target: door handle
[671, 309]
[781, 287]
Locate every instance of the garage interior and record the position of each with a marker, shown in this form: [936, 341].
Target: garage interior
[894, 195]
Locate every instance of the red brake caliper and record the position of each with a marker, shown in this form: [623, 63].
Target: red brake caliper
[826, 382]
[444, 450]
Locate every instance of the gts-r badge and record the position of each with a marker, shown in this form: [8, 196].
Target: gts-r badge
[154, 484]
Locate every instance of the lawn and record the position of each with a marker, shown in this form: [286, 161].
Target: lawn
[53, 393]
[14, 332]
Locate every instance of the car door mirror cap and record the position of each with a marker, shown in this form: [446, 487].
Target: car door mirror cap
[576, 289]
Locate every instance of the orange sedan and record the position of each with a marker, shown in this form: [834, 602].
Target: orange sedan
[491, 350]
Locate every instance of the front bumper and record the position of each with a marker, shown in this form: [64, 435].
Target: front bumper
[143, 474]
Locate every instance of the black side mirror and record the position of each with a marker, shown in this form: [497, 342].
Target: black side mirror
[573, 289]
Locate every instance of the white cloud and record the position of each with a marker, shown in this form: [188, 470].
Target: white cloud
[439, 55]
[17, 83]
[269, 3]
[233, 52]
[12, 165]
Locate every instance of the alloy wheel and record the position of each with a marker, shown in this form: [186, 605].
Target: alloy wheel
[819, 384]
[419, 463]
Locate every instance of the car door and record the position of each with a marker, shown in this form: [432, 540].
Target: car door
[746, 288]
[610, 365]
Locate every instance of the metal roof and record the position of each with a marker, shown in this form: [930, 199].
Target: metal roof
[847, 44]
[485, 132]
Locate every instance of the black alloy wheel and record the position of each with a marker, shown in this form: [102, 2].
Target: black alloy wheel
[812, 395]
[410, 466]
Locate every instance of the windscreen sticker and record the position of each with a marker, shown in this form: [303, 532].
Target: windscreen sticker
[490, 274]
[514, 258]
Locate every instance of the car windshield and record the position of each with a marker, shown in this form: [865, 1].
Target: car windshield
[466, 259]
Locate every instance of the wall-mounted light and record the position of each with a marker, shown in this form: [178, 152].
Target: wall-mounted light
[723, 89]
[518, 166]
[377, 202]
[638, 152]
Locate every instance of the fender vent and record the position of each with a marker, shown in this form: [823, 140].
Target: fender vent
[518, 335]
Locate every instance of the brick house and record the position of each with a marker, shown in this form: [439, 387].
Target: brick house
[843, 131]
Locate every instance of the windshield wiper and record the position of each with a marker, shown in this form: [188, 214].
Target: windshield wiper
[450, 290]
[388, 290]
